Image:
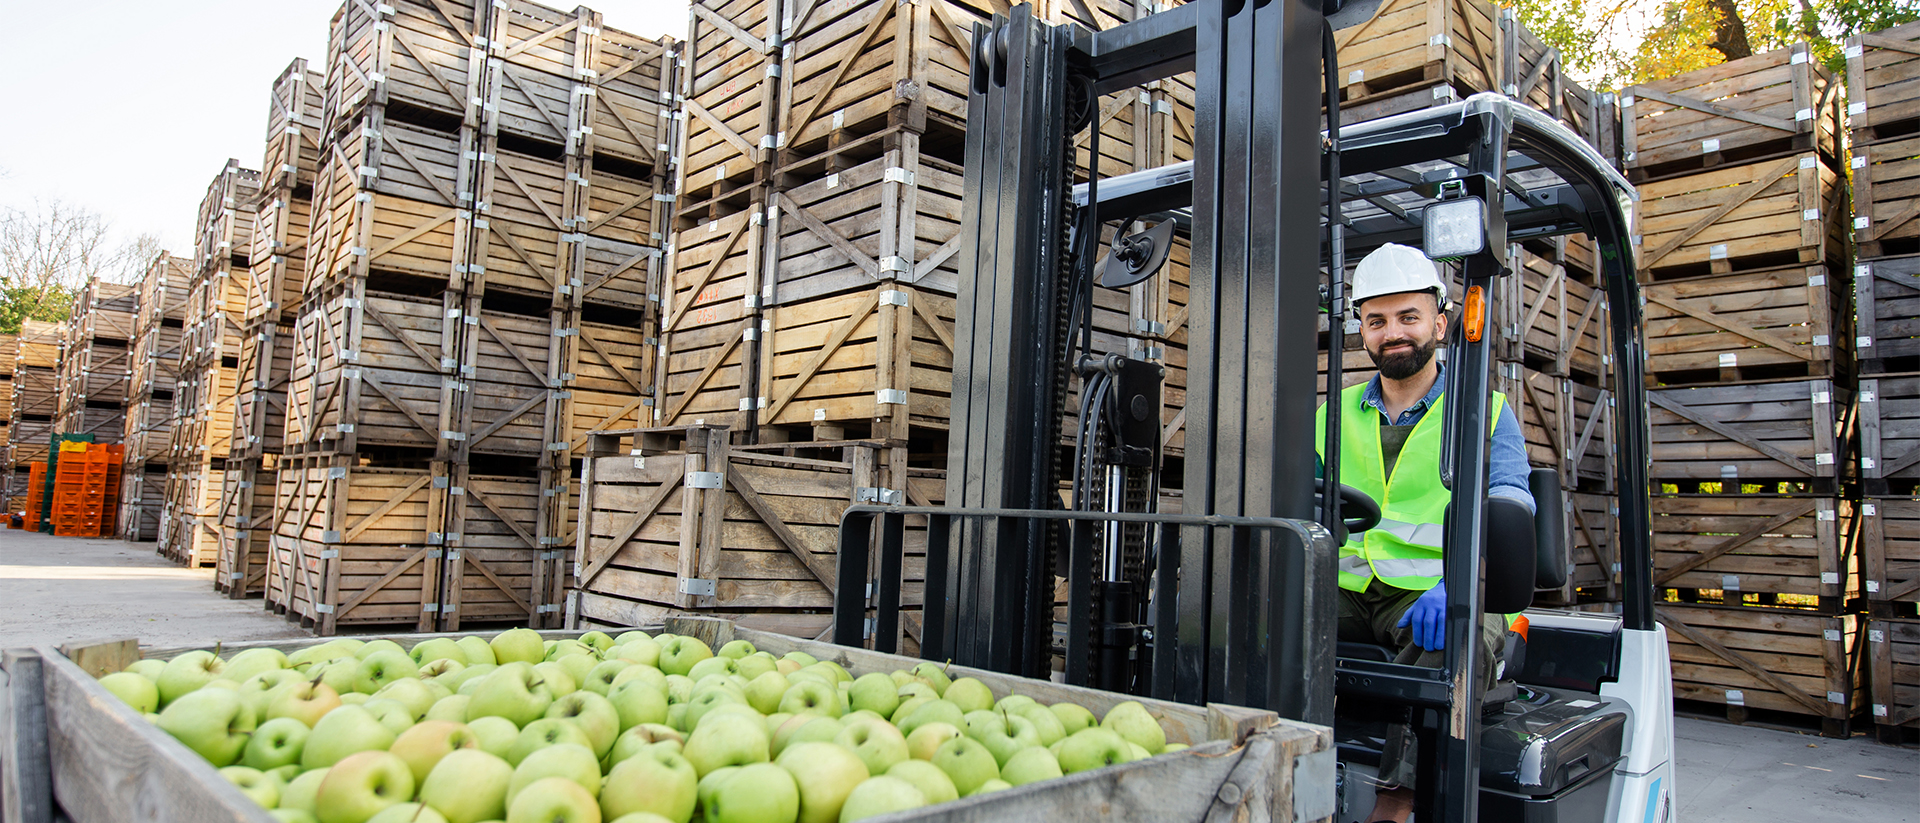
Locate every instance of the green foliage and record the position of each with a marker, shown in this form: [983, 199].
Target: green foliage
[20, 303]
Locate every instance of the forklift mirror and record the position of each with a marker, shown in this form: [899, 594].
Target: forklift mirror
[1510, 557]
[1454, 228]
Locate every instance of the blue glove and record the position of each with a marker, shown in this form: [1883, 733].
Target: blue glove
[1428, 617]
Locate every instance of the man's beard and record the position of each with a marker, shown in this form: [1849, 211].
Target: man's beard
[1403, 364]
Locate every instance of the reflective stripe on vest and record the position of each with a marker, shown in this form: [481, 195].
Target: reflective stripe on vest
[1405, 550]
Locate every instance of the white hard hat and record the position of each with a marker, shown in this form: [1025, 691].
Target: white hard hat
[1392, 269]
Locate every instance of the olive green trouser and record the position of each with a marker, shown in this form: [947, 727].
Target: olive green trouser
[1371, 617]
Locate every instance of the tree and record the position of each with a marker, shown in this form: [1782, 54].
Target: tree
[47, 255]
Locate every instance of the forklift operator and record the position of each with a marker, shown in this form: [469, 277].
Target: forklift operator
[1392, 591]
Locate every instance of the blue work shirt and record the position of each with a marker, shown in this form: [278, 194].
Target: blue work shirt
[1507, 466]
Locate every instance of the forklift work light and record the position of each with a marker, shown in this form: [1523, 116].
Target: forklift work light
[1454, 228]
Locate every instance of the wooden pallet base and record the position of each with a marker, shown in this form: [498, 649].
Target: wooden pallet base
[1794, 661]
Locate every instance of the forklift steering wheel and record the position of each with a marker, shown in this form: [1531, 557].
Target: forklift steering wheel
[1358, 511]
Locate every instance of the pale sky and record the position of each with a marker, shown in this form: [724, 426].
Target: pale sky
[129, 107]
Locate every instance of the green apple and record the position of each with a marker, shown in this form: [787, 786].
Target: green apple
[1030, 766]
[467, 680]
[785, 666]
[660, 781]
[445, 671]
[712, 666]
[881, 795]
[215, 723]
[929, 737]
[638, 703]
[678, 654]
[756, 794]
[910, 705]
[876, 742]
[599, 640]
[494, 734]
[564, 648]
[816, 730]
[558, 680]
[916, 688]
[934, 675]
[1131, 721]
[677, 716]
[1017, 734]
[1045, 722]
[1138, 753]
[407, 813]
[707, 701]
[1073, 717]
[475, 650]
[642, 650]
[437, 648]
[1173, 747]
[784, 730]
[874, 692]
[292, 816]
[599, 679]
[381, 667]
[737, 709]
[594, 714]
[188, 673]
[578, 666]
[936, 711]
[1014, 704]
[640, 738]
[553, 800]
[643, 673]
[546, 732]
[255, 784]
[797, 656]
[679, 688]
[709, 786]
[391, 713]
[1092, 749]
[259, 689]
[426, 743]
[967, 762]
[518, 646]
[730, 740]
[972, 695]
[514, 691]
[468, 786]
[338, 675]
[826, 774]
[993, 786]
[415, 694]
[276, 743]
[452, 708]
[306, 701]
[133, 690]
[764, 692]
[840, 674]
[341, 733]
[254, 661]
[147, 667]
[362, 784]
[811, 696]
[933, 783]
[571, 761]
[629, 636]
[372, 647]
[737, 649]
[285, 774]
[330, 650]
[300, 792]
[756, 664]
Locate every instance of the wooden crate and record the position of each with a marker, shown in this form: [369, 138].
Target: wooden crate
[1882, 73]
[224, 226]
[1886, 197]
[350, 545]
[613, 382]
[156, 362]
[1893, 649]
[203, 413]
[1889, 434]
[1741, 544]
[1415, 43]
[245, 515]
[709, 334]
[294, 128]
[368, 370]
[148, 431]
[502, 561]
[1768, 105]
[38, 344]
[1886, 304]
[1890, 554]
[880, 359]
[88, 746]
[1787, 660]
[1762, 215]
[260, 397]
[1593, 526]
[277, 274]
[535, 226]
[892, 219]
[730, 67]
[189, 519]
[420, 51]
[386, 202]
[653, 534]
[1790, 322]
[1567, 424]
[1558, 312]
[1793, 430]
[143, 494]
[562, 77]
[163, 292]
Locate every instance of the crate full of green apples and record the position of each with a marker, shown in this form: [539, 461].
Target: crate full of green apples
[695, 720]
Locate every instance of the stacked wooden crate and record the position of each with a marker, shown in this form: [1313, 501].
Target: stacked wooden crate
[8, 346]
[484, 242]
[158, 330]
[98, 362]
[1750, 362]
[275, 280]
[190, 526]
[35, 401]
[1885, 131]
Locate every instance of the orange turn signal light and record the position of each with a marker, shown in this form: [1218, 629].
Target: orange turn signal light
[1475, 317]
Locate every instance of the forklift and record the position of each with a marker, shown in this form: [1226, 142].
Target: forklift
[1233, 600]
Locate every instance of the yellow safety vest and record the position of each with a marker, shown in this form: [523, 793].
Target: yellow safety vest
[1406, 550]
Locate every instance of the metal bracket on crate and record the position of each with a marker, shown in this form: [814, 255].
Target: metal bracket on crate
[697, 587]
[703, 480]
[883, 496]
